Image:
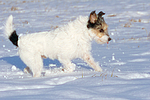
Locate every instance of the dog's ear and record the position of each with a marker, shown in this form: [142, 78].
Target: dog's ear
[93, 17]
[100, 18]
[100, 14]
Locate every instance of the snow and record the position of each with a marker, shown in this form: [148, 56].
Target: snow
[125, 60]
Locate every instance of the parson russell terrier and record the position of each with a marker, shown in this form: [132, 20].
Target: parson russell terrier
[65, 43]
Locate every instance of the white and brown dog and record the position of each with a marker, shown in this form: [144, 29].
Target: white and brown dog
[66, 43]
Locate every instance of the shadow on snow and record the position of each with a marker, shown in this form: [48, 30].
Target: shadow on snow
[15, 60]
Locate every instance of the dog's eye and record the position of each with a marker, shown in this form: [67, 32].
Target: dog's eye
[101, 30]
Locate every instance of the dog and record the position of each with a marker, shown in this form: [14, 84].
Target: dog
[68, 42]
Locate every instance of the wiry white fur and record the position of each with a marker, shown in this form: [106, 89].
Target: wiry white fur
[66, 43]
[9, 26]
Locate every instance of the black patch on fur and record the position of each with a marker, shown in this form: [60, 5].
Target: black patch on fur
[100, 14]
[91, 25]
[14, 38]
[98, 22]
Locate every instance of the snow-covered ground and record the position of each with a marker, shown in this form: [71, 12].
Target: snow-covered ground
[125, 60]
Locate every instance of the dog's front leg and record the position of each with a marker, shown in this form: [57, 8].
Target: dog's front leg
[89, 60]
[68, 66]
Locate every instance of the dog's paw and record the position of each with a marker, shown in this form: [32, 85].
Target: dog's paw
[66, 70]
[98, 69]
[69, 69]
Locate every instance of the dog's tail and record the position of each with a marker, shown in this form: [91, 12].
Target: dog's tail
[10, 32]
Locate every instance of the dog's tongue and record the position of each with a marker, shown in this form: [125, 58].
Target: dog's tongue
[107, 42]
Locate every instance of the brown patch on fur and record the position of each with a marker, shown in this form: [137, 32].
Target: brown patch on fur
[93, 17]
[27, 70]
[98, 34]
[43, 56]
[101, 30]
[63, 69]
[105, 27]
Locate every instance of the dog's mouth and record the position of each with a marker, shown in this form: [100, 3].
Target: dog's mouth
[103, 39]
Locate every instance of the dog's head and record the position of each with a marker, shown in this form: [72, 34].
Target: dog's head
[98, 27]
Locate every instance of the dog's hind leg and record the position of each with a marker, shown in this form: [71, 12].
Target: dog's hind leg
[90, 61]
[33, 61]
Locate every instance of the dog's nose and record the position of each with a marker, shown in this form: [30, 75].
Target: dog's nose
[109, 39]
